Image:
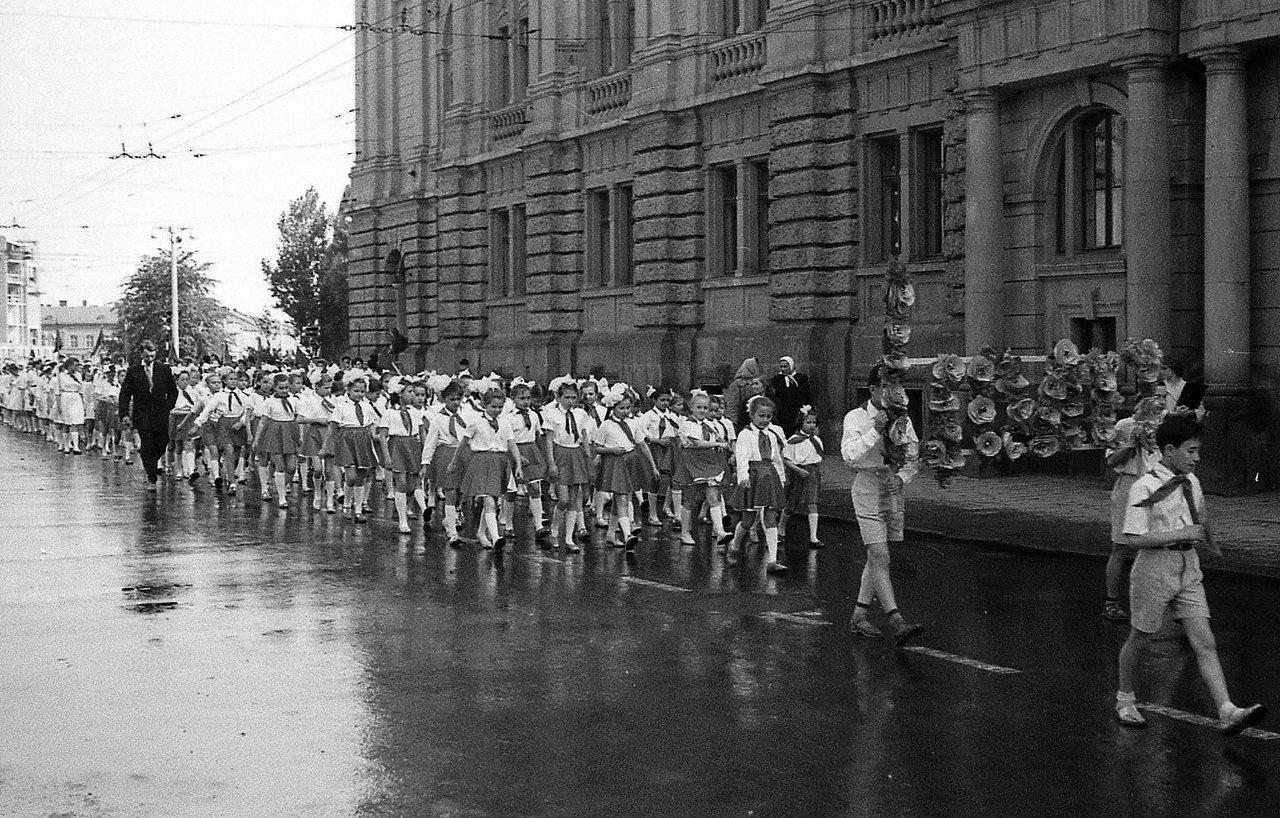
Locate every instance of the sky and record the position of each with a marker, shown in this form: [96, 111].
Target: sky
[264, 90]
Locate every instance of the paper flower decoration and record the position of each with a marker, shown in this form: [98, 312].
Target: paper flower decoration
[988, 444]
[900, 298]
[1148, 410]
[952, 431]
[1149, 373]
[1012, 386]
[1073, 409]
[911, 450]
[899, 431]
[895, 360]
[1009, 367]
[950, 403]
[897, 332]
[1021, 411]
[955, 367]
[1104, 431]
[1105, 380]
[981, 368]
[982, 410]
[939, 391]
[933, 452]
[1049, 416]
[1013, 448]
[1106, 399]
[895, 396]
[1074, 437]
[1053, 387]
[1065, 352]
[1045, 446]
[954, 460]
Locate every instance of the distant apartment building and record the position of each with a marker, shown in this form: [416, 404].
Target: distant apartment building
[77, 328]
[20, 324]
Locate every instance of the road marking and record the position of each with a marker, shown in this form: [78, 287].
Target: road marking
[807, 618]
[540, 558]
[661, 586]
[961, 660]
[1203, 721]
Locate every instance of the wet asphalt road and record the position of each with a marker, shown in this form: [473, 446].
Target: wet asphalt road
[196, 655]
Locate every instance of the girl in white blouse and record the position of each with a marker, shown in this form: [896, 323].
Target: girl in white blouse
[700, 468]
[803, 455]
[760, 472]
[221, 422]
[568, 452]
[181, 418]
[441, 444]
[350, 442]
[625, 464]
[276, 440]
[491, 446]
[315, 409]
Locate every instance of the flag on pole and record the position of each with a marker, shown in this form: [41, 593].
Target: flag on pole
[97, 344]
[57, 341]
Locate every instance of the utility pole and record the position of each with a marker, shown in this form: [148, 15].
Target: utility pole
[174, 241]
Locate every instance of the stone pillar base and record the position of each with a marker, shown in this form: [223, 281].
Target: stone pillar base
[1235, 437]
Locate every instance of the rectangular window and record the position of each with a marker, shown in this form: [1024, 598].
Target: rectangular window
[928, 194]
[726, 191]
[518, 255]
[604, 36]
[760, 175]
[502, 65]
[624, 238]
[599, 237]
[499, 252]
[520, 46]
[627, 37]
[732, 17]
[884, 225]
[1094, 333]
[1101, 158]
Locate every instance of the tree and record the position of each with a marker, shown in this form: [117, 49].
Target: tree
[308, 278]
[145, 306]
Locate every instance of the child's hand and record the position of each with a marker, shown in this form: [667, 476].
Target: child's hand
[553, 471]
[744, 484]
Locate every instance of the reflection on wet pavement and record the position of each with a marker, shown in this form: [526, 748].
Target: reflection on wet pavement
[293, 664]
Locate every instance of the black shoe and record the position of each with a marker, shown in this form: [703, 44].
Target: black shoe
[455, 543]
[195, 476]
[217, 484]
[499, 544]
[632, 542]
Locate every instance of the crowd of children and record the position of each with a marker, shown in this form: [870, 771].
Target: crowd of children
[481, 449]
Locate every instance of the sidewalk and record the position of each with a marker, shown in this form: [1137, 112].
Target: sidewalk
[1059, 515]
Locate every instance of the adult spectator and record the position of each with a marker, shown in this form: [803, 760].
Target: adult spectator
[746, 385]
[147, 394]
[790, 392]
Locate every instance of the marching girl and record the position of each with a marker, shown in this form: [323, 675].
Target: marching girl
[276, 439]
[760, 471]
[568, 454]
[222, 425]
[105, 399]
[26, 399]
[298, 387]
[184, 411]
[489, 449]
[69, 394]
[254, 398]
[203, 438]
[527, 425]
[589, 397]
[803, 455]
[626, 464]
[660, 430]
[700, 468]
[87, 376]
[315, 409]
[402, 433]
[725, 431]
[438, 452]
[350, 442]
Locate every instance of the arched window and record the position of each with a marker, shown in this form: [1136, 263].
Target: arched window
[1088, 184]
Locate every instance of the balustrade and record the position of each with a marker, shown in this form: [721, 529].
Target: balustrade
[608, 94]
[889, 20]
[738, 58]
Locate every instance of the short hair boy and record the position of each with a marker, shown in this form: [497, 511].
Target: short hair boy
[1165, 523]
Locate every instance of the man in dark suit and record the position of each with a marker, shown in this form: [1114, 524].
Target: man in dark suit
[790, 391]
[147, 394]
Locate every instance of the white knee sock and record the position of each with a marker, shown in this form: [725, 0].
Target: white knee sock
[771, 544]
[451, 521]
[813, 527]
[264, 479]
[402, 507]
[420, 497]
[570, 525]
[281, 494]
[535, 510]
[508, 513]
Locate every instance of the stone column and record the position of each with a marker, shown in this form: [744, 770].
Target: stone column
[1226, 220]
[984, 249]
[1148, 226]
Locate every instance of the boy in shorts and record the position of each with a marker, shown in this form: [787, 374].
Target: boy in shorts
[1165, 523]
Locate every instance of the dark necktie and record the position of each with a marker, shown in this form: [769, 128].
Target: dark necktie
[595, 414]
[408, 421]
[493, 422]
[1180, 481]
[662, 426]
[626, 430]
[326, 404]
[187, 397]
[359, 413]
[524, 415]
[150, 382]
[453, 425]
[571, 424]
[706, 433]
[288, 407]
[766, 448]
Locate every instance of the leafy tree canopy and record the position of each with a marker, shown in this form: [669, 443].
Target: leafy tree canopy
[145, 306]
[308, 277]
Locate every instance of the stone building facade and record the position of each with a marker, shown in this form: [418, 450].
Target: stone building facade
[662, 187]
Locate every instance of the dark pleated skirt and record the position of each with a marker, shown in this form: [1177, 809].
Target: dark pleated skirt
[312, 436]
[440, 474]
[803, 491]
[534, 462]
[406, 454]
[278, 436]
[486, 474]
[619, 474]
[353, 447]
[574, 468]
[703, 466]
[763, 491]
